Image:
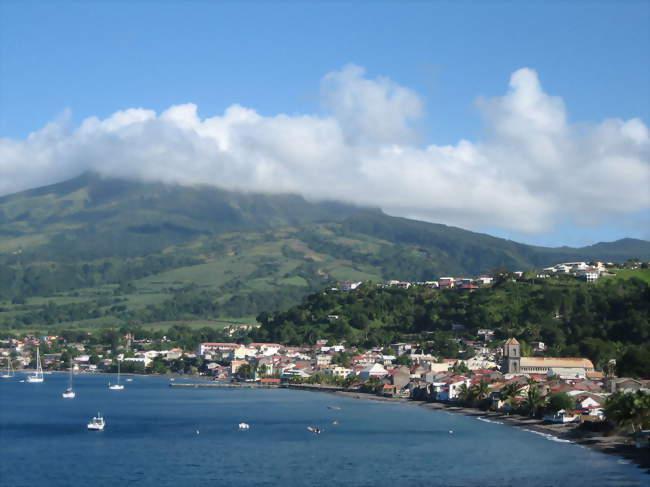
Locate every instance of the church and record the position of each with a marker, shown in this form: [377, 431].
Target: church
[566, 368]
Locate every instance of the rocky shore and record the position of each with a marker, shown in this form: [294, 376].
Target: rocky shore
[611, 445]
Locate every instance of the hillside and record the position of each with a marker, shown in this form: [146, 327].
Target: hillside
[603, 321]
[94, 251]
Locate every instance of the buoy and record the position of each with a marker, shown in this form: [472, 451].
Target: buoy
[197, 432]
[451, 432]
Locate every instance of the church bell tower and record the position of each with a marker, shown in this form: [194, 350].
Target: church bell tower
[512, 356]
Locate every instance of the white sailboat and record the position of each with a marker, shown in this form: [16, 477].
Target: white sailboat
[10, 370]
[38, 375]
[69, 393]
[118, 386]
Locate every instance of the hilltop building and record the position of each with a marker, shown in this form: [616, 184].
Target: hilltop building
[514, 363]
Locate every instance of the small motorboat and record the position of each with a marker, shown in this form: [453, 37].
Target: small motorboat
[335, 422]
[336, 408]
[97, 423]
[314, 430]
[244, 426]
[69, 394]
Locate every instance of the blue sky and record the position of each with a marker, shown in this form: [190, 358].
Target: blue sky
[96, 58]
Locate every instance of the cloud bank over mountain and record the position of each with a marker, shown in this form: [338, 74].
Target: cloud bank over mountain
[532, 169]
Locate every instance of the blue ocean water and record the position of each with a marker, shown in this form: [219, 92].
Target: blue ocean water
[151, 440]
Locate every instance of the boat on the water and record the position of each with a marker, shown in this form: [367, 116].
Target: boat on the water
[314, 430]
[38, 375]
[10, 370]
[97, 423]
[69, 392]
[118, 386]
[244, 426]
[336, 408]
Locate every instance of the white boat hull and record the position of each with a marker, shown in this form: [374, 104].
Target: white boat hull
[97, 424]
[34, 379]
[116, 387]
[69, 395]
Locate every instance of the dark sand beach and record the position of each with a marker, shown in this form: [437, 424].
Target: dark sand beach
[611, 445]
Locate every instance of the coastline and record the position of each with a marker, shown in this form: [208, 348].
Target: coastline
[618, 446]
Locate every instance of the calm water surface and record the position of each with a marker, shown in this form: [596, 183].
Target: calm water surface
[151, 440]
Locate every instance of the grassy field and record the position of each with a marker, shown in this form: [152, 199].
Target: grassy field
[643, 274]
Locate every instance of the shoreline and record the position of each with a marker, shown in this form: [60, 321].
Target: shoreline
[618, 446]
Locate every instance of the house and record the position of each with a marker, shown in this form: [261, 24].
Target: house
[374, 370]
[266, 348]
[400, 377]
[209, 348]
[451, 388]
[446, 282]
[323, 360]
[485, 279]
[627, 385]
[561, 416]
[338, 371]
[235, 364]
[538, 346]
[589, 275]
[349, 286]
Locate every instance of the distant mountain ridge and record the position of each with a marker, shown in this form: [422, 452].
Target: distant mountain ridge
[92, 217]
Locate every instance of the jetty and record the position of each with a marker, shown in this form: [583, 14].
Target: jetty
[258, 385]
[225, 385]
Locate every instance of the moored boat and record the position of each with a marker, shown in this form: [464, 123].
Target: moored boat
[38, 375]
[97, 423]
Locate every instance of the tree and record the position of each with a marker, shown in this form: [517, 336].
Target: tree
[534, 398]
[635, 362]
[481, 390]
[510, 392]
[629, 409]
[560, 401]
[245, 371]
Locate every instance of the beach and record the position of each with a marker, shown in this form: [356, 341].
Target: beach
[611, 445]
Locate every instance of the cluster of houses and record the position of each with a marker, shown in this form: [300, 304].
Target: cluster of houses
[586, 271]
[441, 283]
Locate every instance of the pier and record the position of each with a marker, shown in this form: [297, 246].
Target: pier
[225, 385]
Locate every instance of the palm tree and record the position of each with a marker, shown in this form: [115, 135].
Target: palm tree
[464, 393]
[482, 390]
[629, 409]
[510, 392]
[534, 399]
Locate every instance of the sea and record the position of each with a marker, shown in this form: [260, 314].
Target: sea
[157, 435]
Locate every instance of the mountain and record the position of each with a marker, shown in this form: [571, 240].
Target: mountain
[92, 217]
[97, 249]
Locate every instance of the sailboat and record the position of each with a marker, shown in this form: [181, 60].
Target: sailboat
[69, 393]
[10, 370]
[118, 386]
[38, 375]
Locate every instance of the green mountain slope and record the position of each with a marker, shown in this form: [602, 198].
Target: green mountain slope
[93, 251]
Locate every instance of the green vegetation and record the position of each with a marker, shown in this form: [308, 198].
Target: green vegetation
[629, 410]
[606, 321]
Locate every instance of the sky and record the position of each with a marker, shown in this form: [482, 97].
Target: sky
[525, 120]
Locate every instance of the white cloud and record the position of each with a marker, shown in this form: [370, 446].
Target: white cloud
[532, 170]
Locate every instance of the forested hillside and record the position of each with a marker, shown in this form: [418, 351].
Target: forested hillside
[97, 251]
[608, 320]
